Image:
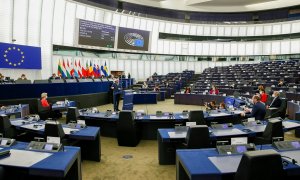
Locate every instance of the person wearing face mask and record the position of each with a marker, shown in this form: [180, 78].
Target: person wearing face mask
[258, 110]
[263, 96]
[276, 102]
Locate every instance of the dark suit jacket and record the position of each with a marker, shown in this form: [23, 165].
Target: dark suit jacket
[276, 102]
[116, 89]
[258, 111]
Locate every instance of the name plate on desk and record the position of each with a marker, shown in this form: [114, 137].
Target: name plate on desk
[177, 134]
[287, 124]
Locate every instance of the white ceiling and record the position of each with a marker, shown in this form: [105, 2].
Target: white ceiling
[217, 5]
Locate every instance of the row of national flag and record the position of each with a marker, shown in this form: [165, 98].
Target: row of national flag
[67, 69]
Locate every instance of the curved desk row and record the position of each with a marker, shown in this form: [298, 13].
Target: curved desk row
[166, 143]
[208, 164]
[41, 165]
[86, 94]
[88, 138]
[22, 91]
[150, 123]
[16, 110]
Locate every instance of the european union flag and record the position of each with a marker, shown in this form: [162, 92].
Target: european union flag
[20, 57]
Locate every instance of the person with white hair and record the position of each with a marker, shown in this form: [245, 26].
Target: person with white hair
[276, 102]
[44, 101]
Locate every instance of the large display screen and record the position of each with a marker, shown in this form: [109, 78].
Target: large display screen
[133, 39]
[96, 34]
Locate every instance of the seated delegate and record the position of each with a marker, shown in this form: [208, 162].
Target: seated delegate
[281, 83]
[222, 106]
[44, 102]
[145, 85]
[214, 90]
[263, 96]
[23, 77]
[156, 88]
[258, 110]
[187, 90]
[276, 102]
[211, 106]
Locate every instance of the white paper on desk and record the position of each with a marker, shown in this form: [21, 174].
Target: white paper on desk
[177, 135]
[159, 117]
[68, 130]
[184, 117]
[226, 164]
[190, 124]
[22, 158]
[237, 112]
[251, 119]
[30, 126]
[287, 124]
[17, 122]
[257, 128]
[218, 114]
[227, 132]
[292, 154]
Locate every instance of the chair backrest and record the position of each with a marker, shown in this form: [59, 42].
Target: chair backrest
[273, 129]
[126, 120]
[260, 165]
[72, 114]
[54, 129]
[198, 137]
[40, 107]
[197, 116]
[21, 81]
[236, 94]
[5, 125]
[281, 112]
[293, 90]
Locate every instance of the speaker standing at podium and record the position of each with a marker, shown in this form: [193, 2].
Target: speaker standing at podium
[116, 94]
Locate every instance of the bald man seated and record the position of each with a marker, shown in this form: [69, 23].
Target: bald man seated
[258, 110]
[276, 102]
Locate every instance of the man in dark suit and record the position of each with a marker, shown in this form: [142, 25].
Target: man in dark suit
[276, 102]
[258, 110]
[116, 94]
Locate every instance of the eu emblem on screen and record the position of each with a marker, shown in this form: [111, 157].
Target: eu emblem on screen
[14, 56]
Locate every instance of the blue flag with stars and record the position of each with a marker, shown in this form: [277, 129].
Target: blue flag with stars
[19, 56]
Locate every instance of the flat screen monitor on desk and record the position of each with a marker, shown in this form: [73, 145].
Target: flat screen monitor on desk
[20, 81]
[41, 81]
